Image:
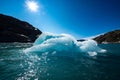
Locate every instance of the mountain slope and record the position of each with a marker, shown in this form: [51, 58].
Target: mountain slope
[110, 37]
[15, 30]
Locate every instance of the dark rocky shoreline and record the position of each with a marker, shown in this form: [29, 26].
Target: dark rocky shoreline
[15, 30]
[109, 37]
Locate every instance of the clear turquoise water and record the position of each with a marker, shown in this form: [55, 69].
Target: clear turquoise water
[17, 65]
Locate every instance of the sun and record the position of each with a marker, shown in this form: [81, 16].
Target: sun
[32, 5]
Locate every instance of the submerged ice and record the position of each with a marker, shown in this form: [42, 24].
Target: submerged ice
[63, 43]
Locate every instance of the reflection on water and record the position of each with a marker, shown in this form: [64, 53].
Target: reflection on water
[17, 65]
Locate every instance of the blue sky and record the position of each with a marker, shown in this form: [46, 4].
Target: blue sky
[80, 18]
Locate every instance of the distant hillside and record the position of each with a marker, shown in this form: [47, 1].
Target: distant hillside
[110, 37]
[15, 30]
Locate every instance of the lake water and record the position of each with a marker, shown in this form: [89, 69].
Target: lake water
[15, 64]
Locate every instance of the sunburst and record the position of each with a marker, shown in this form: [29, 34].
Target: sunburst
[32, 5]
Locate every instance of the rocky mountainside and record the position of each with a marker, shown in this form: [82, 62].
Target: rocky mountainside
[15, 30]
[110, 37]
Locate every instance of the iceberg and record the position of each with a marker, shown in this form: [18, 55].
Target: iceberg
[63, 43]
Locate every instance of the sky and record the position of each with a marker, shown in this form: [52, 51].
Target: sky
[80, 18]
